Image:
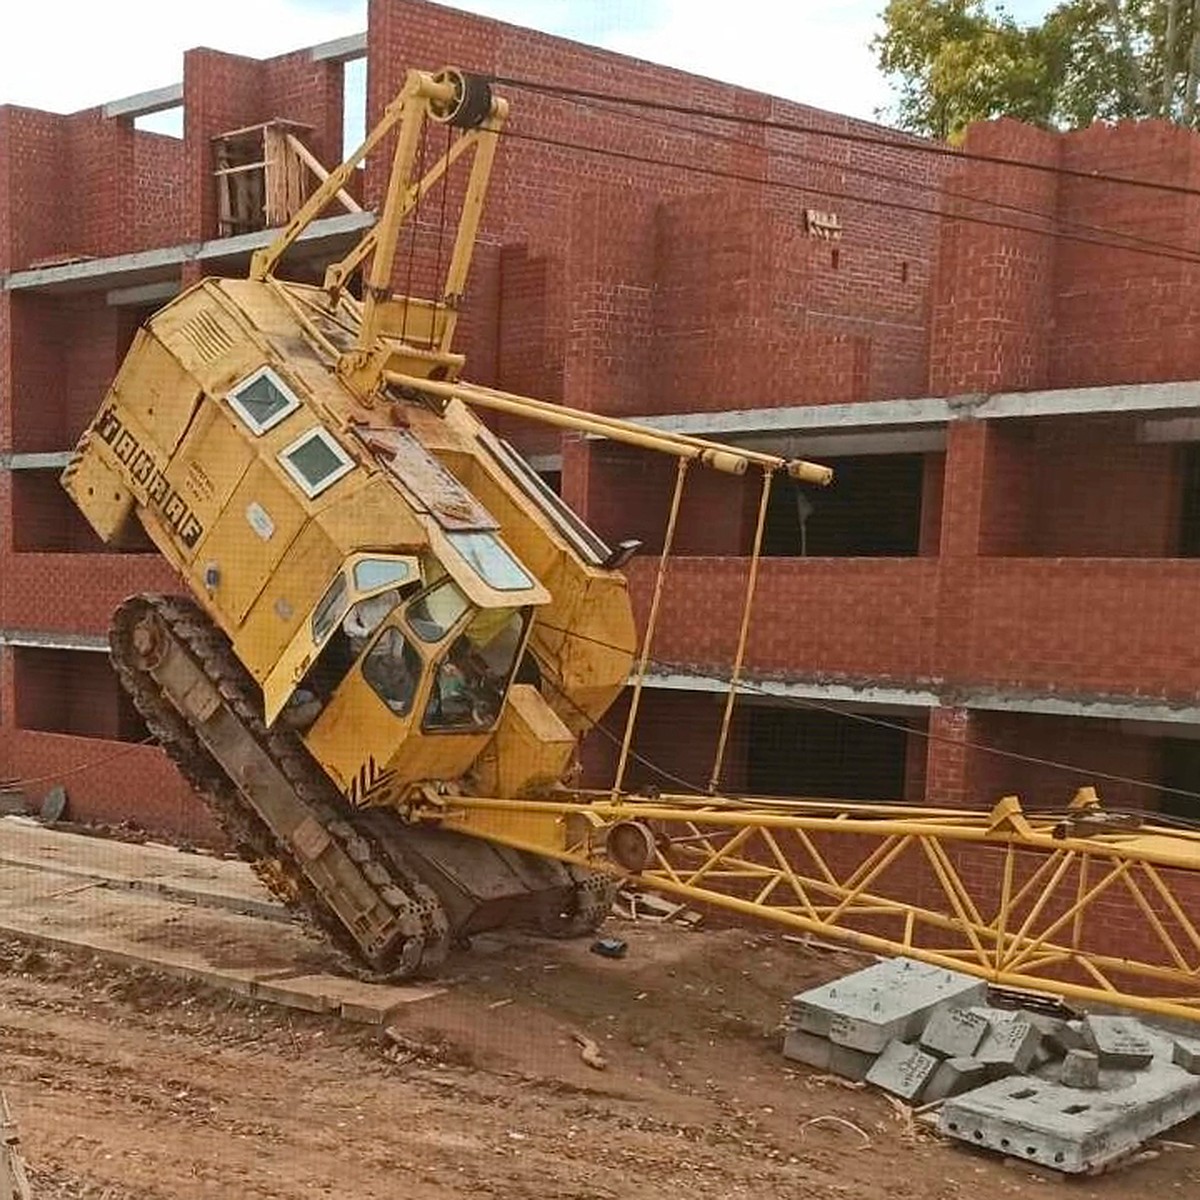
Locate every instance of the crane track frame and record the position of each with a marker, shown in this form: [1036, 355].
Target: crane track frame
[395, 927]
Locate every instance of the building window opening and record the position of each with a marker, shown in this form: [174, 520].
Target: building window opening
[47, 521]
[73, 692]
[1189, 505]
[873, 510]
[802, 752]
[1181, 773]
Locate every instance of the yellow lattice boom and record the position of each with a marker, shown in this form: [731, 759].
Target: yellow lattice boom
[1088, 905]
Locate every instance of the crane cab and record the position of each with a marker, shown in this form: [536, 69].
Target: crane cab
[406, 682]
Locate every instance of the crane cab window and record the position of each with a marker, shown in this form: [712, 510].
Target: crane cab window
[329, 609]
[372, 573]
[393, 669]
[262, 400]
[473, 675]
[315, 461]
[491, 561]
[434, 614]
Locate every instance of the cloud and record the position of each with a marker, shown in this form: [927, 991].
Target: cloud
[816, 51]
[64, 55]
[808, 50]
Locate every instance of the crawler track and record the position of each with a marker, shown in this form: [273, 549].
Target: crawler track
[426, 932]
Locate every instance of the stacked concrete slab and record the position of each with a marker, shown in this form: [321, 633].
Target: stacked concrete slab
[1071, 1094]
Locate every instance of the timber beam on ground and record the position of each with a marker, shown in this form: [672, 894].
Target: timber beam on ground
[1082, 903]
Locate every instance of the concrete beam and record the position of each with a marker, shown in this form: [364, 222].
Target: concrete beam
[122, 271]
[53, 461]
[143, 294]
[1127, 397]
[54, 641]
[341, 49]
[1145, 718]
[837, 445]
[93, 274]
[142, 103]
[320, 234]
[737, 424]
[801, 418]
[1109, 708]
[545, 462]
[899, 699]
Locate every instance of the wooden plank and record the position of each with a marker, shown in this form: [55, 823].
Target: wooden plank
[313, 163]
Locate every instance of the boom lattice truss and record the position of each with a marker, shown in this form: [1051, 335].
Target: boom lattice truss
[1080, 903]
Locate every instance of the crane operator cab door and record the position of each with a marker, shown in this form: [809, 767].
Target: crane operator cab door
[424, 696]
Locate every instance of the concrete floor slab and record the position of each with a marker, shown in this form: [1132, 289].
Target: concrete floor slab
[201, 878]
[1069, 1130]
[79, 893]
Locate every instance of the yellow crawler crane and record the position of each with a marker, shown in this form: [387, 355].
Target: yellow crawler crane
[396, 634]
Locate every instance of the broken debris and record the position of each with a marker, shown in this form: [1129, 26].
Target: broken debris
[1074, 1095]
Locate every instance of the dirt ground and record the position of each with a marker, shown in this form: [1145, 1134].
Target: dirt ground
[129, 1086]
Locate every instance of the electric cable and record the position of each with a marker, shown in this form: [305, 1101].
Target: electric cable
[16, 784]
[874, 174]
[897, 726]
[811, 190]
[898, 140]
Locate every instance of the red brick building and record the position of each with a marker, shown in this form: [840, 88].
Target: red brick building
[1011, 402]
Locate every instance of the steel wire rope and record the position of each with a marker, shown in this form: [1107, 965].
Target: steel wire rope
[1169, 254]
[438, 285]
[14, 784]
[880, 176]
[927, 735]
[899, 140]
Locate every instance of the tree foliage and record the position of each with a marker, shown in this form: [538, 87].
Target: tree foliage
[951, 62]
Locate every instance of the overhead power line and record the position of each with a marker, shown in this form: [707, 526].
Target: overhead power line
[812, 190]
[896, 141]
[863, 718]
[936, 185]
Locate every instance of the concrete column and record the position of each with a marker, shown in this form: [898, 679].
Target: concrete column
[948, 760]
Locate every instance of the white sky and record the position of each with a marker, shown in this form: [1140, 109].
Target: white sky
[64, 55]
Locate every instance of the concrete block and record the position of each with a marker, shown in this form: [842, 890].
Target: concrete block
[954, 1032]
[1069, 1130]
[1121, 1042]
[1058, 1035]
[889, 1001]
[850, 1064]
[1081, 1069]
[955, 1076]
[1010, 1044]
[903, 1070]
[809, 1049]
[1187, 1055]
[13, 804]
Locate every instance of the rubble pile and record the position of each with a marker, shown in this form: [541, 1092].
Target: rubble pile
[1075, 1094]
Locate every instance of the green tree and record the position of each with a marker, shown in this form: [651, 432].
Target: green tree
[951, 62]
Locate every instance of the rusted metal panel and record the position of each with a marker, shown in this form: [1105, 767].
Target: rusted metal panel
[435, 489]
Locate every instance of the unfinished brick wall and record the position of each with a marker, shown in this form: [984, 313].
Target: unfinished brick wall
[658, 252]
